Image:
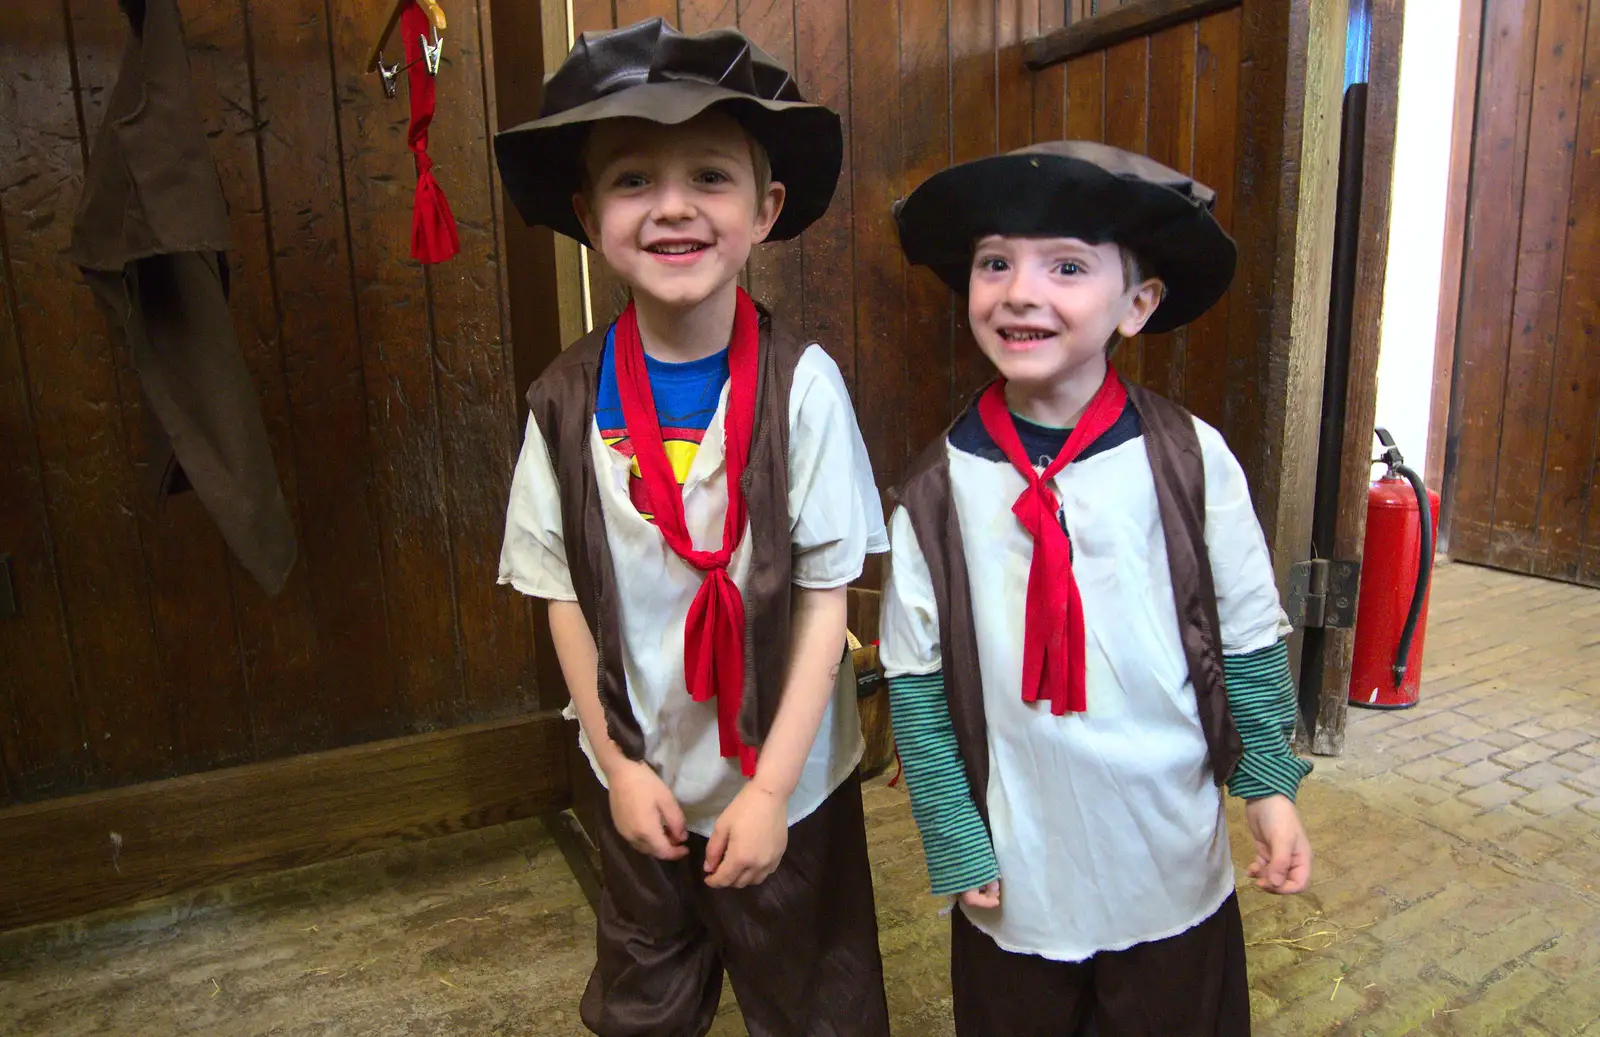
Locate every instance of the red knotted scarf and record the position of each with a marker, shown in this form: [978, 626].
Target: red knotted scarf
[433, 226]
[1053, 638]
[713, 649]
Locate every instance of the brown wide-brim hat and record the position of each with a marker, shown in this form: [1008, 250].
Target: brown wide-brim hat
[1076, 189]
[651, 71]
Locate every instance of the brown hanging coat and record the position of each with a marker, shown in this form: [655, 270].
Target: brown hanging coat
[151, 235]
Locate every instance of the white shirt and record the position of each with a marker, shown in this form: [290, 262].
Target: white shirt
[1106, 825]
[835, 519]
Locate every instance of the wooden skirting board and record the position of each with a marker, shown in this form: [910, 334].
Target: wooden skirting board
[68, 856]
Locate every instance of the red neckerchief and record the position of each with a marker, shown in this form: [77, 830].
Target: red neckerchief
[1053, 638]
[713, 649]
[433, 226]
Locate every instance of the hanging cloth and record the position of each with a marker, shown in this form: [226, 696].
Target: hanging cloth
[433, 226]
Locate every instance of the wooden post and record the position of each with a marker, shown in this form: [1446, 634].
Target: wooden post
[1291, 83]
[1361, 397]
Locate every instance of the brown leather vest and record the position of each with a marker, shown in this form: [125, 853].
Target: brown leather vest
[1180, 479]
[562, 401]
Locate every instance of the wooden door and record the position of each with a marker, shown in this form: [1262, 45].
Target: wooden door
[1521, 455]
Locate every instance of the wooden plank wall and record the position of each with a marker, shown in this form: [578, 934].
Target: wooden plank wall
[141, 650]
[1522, 452]
[924, 83]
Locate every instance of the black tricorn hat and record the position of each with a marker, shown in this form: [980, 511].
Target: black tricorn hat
[652, 71]
[1077, 189]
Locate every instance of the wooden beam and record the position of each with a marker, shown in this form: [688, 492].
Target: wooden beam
[83, 853]
[1291, 81]
[1101, 31]
[1455, 242]
[1366, 325]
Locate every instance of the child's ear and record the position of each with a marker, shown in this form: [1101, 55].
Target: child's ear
[586, 218]
[1145, 300]
[768, 208]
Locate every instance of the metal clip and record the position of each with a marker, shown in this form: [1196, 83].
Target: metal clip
[431, 52]
[390, 74]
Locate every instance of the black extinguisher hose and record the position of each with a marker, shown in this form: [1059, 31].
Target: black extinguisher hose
[1424, 563]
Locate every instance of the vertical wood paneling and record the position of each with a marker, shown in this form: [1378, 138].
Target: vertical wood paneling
[1572, 463]
[882, 394]
[1521, 460]
[1171, 107]
[77, 417]
[925, 136]
[277, 636]
[1086, 97]
[41, 736]
[1050, 85]
[974, 133]
[700, 15]
[630, 11]
[1489, 288]
[775, 269]
[1536, 304]
[1205, 386]
[477, 403]
[302, 159]
[608, 295]
[1127, 126]
[1015, 21]
[822, 68]
[394, 321]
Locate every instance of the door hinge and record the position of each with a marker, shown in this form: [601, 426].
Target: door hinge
[1322, 593]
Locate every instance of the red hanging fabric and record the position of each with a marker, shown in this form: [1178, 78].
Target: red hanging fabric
[713, 648]
[1053, 635]
[433, 226]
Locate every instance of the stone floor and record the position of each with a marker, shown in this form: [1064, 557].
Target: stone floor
[1458, 851]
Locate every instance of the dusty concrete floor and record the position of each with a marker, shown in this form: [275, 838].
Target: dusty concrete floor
[1458, 852]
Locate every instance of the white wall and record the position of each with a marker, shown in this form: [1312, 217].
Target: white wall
[1416, 231]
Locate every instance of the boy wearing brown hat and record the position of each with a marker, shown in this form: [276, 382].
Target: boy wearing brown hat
[1081, 629]
[692, 498]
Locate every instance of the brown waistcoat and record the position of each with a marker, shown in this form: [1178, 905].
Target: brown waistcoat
[1179, 469]
[562, 401]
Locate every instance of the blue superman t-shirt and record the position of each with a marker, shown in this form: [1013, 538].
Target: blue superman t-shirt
[686, 398]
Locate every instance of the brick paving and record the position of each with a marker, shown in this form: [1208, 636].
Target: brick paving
[1458, 843]
[1454, 894]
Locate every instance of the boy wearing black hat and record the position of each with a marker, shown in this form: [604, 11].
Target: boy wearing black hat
[692, 498]
[1081, 629]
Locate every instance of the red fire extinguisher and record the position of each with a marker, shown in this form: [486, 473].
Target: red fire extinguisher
[1397, 563]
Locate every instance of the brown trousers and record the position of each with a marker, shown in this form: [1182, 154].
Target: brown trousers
[801, 948]
[1191, 985]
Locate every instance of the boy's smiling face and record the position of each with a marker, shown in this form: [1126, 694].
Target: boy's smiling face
[1044, 309]
[676, 210]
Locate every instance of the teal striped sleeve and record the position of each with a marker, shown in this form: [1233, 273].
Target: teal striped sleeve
[954, 839]
[1261, 696]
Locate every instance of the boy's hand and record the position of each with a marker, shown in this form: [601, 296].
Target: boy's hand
[985, 896]
[645, 812]
[749, 839]
[1283, 853]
